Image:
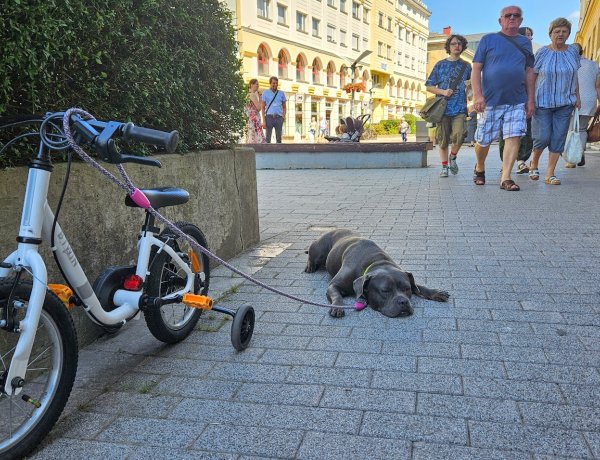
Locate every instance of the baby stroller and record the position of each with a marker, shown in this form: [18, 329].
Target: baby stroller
[353, 131]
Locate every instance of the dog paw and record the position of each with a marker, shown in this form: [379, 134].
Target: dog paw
[336, 312]
[309, 269]
[440, 296]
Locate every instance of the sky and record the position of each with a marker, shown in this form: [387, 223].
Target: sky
[477, 16]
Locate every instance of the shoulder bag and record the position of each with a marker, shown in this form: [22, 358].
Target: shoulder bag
[434, 108]
[270, 103]
[593, 131]
[573, 148]
[516, 45]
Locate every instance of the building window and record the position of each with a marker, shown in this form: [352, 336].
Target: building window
[355, 10]
[355, 39]
[343, 70]
[366, 14]
[343, 6]
[300, 68]
[380, 20]
[330, 73]
[262, 57]
[389, 24]
[379, 45]
[282, 65]
[389, 53]
[262, 8]
[400, 34]
[316, 72]
[316, 26]
[281, 14]
[330, 33]
[343, 38]
[300, 22]
[331, 3]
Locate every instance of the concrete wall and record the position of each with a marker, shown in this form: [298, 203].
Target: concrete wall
[103, 232]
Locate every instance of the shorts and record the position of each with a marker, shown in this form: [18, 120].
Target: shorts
[510, 119]
[549, 128]
[451, 130]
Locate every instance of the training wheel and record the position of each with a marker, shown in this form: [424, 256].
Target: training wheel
[242, 327]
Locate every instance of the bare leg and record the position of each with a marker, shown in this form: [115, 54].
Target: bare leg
[444, 155]
[511, 150]
[481, 154]
[552, 160]
[535, 158]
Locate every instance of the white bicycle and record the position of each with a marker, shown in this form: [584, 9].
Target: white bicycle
[38, 341]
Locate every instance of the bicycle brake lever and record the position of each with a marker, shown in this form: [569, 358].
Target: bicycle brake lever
[145, 161]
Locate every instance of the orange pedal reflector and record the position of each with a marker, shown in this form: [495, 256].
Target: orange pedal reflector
[195, 262]
[198, 301]
[64, 293]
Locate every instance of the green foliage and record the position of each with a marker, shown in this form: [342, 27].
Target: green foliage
[392, 126]
[412, 122]
[165, 64]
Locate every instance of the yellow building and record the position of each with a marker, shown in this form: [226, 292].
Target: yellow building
[588, 34]
[311, 46]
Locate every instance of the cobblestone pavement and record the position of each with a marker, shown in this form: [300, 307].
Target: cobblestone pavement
[509, 368]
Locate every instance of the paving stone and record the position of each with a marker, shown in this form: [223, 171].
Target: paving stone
[310, 330]
[515, 390]
[434, 383]
[461, 367]
[280, 393]
[415, 427]
[412, 348]
[132, 404]
[267, 442]
[75, 449]
[542, 440]
[553, 373]
[381, 362]
[334, 446]
[328, 376]
[483, 338]
[152, 432]
[238, 372]
[369, 399]
[171, 366]
[219, 412]
[561, 416]
[157, 453]
[427, 451]
[340, 344]
[196, 388]
[316, 418]
[467, 407]
[502, 353]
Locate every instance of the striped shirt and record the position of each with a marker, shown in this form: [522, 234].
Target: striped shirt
[556, 82]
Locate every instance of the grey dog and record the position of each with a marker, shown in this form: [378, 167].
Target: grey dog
[358, 265]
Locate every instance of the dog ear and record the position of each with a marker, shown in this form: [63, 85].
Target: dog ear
[413, 286]
[360, 285]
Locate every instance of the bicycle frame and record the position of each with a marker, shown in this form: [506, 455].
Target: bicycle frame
[36, 226]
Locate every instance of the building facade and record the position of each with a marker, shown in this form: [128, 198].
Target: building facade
[314, 46]
[588, 35]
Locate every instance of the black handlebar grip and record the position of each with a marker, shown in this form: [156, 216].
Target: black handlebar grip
[151, 136]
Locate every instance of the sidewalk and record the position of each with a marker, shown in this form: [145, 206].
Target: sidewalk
[509, 368]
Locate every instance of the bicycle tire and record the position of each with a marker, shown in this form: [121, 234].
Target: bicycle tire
[49, 384]
[164, 278]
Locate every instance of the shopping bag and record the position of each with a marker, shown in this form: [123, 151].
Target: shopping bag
[573, 148]
[593, 131]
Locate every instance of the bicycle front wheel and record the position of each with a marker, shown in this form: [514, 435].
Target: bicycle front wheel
[172, 323]
[28, 417]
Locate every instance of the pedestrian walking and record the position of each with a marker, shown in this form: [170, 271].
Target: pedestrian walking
[503, 84]
[448, 79]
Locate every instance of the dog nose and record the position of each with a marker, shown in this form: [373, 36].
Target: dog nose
[404, 307]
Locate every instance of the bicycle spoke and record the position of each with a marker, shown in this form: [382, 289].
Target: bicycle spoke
[38, 356]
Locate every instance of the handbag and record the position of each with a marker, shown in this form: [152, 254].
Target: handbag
[573, 148]
[434, 108]
[593, 131]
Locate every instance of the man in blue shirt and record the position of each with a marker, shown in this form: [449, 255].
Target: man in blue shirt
[503, 92]
[273, 110]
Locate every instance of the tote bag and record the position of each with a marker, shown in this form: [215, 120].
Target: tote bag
[573, 148]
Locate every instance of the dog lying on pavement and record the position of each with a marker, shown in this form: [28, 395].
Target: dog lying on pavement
[359, 266]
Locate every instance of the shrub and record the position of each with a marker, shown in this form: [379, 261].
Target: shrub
[159, 63]
[412, 122]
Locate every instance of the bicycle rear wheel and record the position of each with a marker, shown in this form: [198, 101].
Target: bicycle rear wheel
[174, 322]
[50, 373]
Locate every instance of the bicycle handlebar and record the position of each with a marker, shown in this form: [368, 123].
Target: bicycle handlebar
[150, 136]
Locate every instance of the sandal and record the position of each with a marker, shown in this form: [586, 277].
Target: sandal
[510, 186]
[552, 180]
[534, 173]
[522, 168]
[479, 177]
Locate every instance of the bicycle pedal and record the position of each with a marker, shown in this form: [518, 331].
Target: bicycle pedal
[201, 302]
[64, 293]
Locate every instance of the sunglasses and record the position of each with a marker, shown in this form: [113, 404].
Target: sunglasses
[512, 15]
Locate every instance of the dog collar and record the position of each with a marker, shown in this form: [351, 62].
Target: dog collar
[361, 302]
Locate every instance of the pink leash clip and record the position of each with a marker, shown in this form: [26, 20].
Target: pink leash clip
[140, 199]
[359, 305]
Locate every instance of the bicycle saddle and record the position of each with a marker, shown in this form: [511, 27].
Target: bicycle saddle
[161, 196]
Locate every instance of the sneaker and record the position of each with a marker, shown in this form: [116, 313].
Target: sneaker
[453, 166]
[444, 172]
[582, 162]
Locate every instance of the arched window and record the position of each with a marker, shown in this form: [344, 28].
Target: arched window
[330, 73]
[343, 76]
[282, 64]
[391, 87]
[406, 90]
[399, 88]
[300, 68]
[316, 71]
[262, 58]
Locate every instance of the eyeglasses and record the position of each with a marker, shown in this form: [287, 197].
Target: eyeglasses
[455, 44]
[512, 15]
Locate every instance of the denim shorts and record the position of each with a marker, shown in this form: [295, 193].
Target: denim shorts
[510, 119]
[549, 128]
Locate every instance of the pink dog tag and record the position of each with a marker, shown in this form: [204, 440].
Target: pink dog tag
[359, 305]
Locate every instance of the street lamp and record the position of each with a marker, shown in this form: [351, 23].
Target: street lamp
[353, 66]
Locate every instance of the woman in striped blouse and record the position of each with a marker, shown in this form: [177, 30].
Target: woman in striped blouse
[556, 93]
